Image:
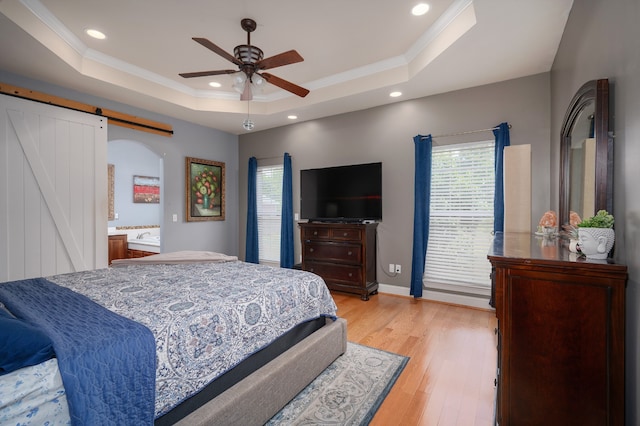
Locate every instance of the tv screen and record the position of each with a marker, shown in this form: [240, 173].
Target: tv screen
[345, 193]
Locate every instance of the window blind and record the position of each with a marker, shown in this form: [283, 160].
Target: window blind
[461, 217]
[269, 207]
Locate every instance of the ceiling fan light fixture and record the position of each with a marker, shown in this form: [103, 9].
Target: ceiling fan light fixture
[257, 81]
[248, 54]
[239, 82]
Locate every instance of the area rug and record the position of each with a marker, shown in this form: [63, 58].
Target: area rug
[348, 392]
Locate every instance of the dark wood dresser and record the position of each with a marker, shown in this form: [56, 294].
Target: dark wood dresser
[561, 325]
[343, 254]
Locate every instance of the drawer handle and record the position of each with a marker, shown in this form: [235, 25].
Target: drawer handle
[311, 270]
[315, 232]
[311, 249]
[350, 253]
[345, 234]
[350, 274]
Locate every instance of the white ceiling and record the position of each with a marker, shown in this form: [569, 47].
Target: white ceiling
[355, 51]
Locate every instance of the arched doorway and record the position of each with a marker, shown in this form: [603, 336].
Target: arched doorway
[137, 173]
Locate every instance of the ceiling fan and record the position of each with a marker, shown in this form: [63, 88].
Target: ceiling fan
[251, 62]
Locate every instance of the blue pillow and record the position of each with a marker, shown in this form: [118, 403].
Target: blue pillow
[21, 344]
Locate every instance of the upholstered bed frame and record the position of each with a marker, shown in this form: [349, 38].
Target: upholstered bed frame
[254, 400]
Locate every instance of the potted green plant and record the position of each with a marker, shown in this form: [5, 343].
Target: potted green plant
[596, 235]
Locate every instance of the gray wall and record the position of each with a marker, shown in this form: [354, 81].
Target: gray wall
[386, 134]
[601, 41]
[131, 159]
[188, 140]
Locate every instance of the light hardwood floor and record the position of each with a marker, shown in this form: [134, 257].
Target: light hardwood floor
[449, 379]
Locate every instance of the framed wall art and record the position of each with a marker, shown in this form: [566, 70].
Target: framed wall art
[111, 172]
[204, 189]
[146, 189]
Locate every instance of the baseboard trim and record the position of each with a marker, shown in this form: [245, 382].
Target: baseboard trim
[438, 296]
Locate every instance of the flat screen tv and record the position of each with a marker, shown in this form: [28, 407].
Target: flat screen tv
[345, 193]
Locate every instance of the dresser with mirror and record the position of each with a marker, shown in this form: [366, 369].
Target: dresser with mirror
[561, 317]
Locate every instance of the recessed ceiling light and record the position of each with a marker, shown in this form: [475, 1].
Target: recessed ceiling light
[395, 94]
[215, 84]
[420, 9]
[292, 117]
[95, 34]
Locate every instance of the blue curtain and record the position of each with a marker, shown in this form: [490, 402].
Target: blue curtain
[501, 134]
[286, 224]
[252, 252]
[422, 196]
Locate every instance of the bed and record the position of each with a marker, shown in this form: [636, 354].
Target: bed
[196, 341]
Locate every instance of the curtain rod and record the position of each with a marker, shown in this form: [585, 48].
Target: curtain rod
[280, 157]
[465, 133]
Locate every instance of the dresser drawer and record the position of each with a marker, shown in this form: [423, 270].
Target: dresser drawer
[316, 233]
[333, 252]
[340, 273]
[348, 234]
[326, 233]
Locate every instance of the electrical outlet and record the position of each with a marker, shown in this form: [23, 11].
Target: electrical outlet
[392, 268]
[398, 269]
[175, 217]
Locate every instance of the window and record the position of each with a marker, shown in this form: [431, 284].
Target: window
[269, 200]
[461, 218]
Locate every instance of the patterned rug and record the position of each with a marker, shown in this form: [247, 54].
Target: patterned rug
[348, 392]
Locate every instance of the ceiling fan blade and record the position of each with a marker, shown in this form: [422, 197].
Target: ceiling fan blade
[247, 94]
[284, 58]
[284, 84]
[206, 73]
[209, 45]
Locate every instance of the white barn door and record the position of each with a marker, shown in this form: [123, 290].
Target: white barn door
[53, 190]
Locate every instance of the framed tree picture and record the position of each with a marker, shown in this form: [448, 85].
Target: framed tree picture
[204, 189]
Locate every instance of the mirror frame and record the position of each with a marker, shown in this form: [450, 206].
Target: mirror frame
[598, 92]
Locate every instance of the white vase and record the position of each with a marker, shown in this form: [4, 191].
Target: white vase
[596, 243]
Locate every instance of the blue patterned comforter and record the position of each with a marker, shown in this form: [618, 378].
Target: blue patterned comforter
[206, 317]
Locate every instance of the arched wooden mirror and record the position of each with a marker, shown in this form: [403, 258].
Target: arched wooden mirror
[586, 154]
